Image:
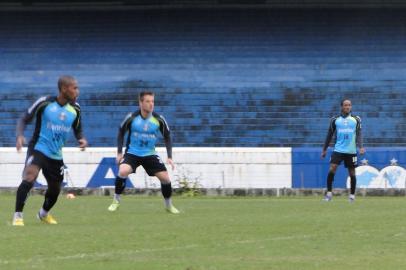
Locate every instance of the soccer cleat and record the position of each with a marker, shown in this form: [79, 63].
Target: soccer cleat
[327, 198]
[48, 219]
[18, 221]
[171, 209]
[114, 206]
[351, 198]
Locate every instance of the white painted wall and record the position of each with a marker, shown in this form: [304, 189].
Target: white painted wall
[213, 167]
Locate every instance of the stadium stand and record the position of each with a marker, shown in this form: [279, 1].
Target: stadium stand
[254, 77]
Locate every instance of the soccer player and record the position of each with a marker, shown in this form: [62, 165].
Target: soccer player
[143, 127]
[55, 117]
[347, 130]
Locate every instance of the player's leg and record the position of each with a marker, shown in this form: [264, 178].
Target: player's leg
[335, 160]
[30, 174]
[353, 183]
[330, 177]
[351, 164]
[166, 189]
[154, 166]
[53, 173]
[126, 167]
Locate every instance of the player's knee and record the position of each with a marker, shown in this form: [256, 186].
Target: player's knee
[332, 170]
[165, 181]
[124, 172]
[30, 175]
[30, 178]
[352, 173]
[123, 175]
[163, 177]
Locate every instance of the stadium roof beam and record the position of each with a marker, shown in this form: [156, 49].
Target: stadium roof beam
[179, 4]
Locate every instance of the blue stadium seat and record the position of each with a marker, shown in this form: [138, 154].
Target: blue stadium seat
[222, 78]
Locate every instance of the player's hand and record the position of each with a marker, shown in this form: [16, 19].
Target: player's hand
[362, 151]
[20, 142]
[119, 158]
[323, 154]
[82, 144]
[170, 161]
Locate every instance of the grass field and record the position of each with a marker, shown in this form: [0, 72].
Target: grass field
[211, 233]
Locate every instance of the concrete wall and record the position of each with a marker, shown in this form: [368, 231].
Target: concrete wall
[210, 167]
[225, 168]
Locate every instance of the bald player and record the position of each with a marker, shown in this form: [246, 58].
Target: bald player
[55, 117]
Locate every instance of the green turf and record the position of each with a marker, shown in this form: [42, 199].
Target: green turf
[211, 233]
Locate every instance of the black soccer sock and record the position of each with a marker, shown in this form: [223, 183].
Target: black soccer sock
[166, 189]
[353, 184]
[22, 194]
[330, 180]
[51, 196]
[120, 185]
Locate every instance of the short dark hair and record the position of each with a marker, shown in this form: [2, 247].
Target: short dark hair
[145, 93]
[345, 99]
[65, 80]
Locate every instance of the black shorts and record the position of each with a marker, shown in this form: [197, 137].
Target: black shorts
[52, 169]
[350, 160]
[152, 164]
